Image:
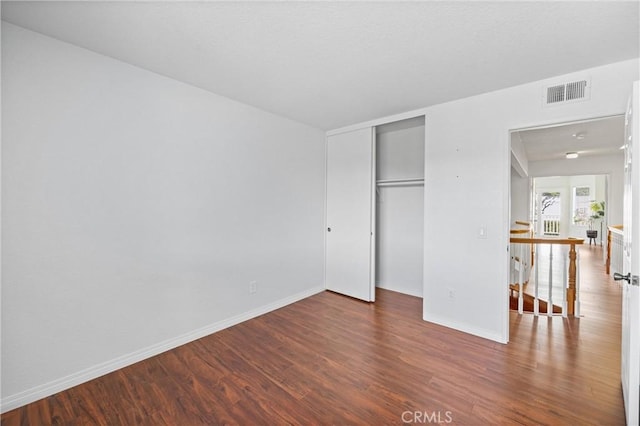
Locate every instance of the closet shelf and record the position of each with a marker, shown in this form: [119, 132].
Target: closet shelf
[400, 182]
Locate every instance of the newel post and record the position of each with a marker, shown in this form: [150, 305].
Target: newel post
[608, 267]
[571, 291]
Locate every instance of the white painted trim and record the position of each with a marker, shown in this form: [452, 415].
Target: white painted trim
[379, 121]
[373, 256]
[425, 214]
[506, 233]
[41, 391]
[464, 327]
[326, 225]
[565, 121]
[1, 186]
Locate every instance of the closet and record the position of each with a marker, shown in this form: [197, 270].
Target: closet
[400, 206]
[375, 205]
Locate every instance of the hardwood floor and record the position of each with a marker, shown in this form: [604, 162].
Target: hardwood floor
[330, 359]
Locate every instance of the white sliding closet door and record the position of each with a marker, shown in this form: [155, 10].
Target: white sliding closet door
[350, 214]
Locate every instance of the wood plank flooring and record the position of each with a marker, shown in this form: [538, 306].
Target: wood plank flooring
[330, 359]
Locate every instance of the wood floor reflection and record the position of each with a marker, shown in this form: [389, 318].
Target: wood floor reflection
[330, 359]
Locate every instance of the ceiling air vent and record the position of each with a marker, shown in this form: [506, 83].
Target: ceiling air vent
[575, 91]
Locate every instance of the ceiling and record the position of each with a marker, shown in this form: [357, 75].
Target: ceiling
[332, 63]
[588, 138]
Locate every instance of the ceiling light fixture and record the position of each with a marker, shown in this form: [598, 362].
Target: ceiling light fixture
[571, 155]
[579, 135]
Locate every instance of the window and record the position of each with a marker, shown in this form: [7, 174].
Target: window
[581, 205]
[550, 204]
[550, 213]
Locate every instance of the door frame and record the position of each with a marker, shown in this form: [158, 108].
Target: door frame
[372, 124]
[510, 164]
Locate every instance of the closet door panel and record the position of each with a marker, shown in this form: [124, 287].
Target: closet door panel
[350, 180]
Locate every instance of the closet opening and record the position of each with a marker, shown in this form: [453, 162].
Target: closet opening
[399, 148]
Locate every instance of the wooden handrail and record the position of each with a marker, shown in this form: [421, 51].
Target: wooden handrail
[571, 242]
[611, 229]
[543, 240]
[528, 230]
[616, 229]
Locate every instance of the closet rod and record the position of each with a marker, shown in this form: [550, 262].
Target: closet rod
[401, 182]
[404, 180]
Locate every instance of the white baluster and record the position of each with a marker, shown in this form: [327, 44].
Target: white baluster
[617, 253]
[536, 307]
[565, 280]
[521, 282]
[550, 297]
[577, 310]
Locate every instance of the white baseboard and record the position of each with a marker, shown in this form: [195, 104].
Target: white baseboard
[400, 289]
[466, 328]
[42, 391]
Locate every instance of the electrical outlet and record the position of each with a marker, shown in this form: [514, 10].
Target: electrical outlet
[253, 287]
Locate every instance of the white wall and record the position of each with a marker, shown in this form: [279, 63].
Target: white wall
[400, 149]
[400, 215]
[137, 209]
[467, 174]
[520, 198]
[519, 159]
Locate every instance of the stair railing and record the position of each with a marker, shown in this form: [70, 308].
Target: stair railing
[569, 264]
[615, 239]
[551, 225]
[522, 259]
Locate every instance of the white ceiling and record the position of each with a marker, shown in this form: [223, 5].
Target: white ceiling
[331, 64]
[599, 137]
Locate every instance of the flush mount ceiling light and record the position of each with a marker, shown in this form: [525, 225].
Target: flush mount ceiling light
[571, 155]
[580, 135]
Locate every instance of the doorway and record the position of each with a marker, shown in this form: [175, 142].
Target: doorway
[567, 179]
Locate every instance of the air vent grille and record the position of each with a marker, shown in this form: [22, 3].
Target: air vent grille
[567, 92]
[576, 90]
[555, 94]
